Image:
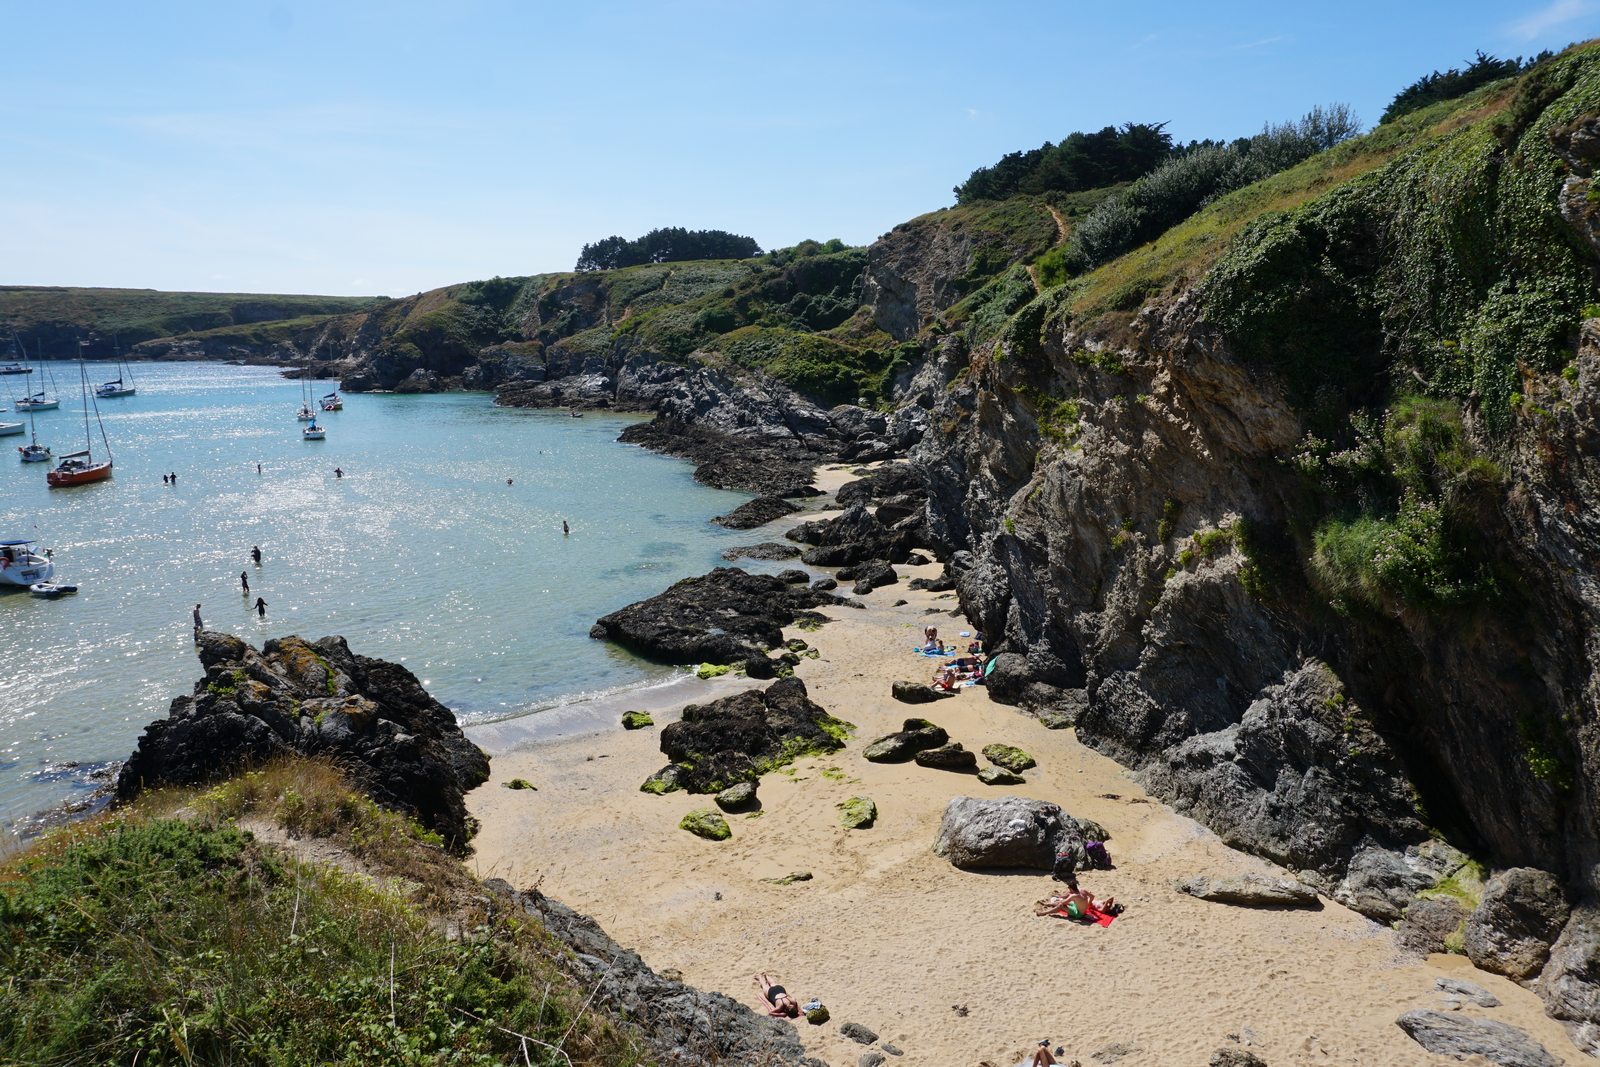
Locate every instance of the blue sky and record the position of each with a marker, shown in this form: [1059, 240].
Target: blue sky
[349, 147]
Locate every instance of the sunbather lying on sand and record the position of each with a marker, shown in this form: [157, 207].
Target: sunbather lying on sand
[1041, 1056]
[1075, 904]
[778, 1000]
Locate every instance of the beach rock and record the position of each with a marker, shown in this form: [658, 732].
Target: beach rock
[852, 537]
[663, 781]
[917, 693]
[1570, 981]
[1000, 776]
[823, 585]
[757, 512]
[1521, 914]
[766, 550]
[1093, 831]
[794, 577]
[1251, 891]
[874, 573]
[737, 797]
[1467, 991]
[871, 1059]
[890, 1049]
[396, 743]
[1457, 1035]
[706, 823]
[887, 482]
[760, 668]
[951, 757]
[740, 737]
[941, 584]
[722, 617]
[766, 459]
[636, 720]
[1057, 717]
[789, 879]
[1113, 1052]
[1432, 926]
[1008, 678]
[1012, 759]
[521, 783]
[915, 736]
[858, 1033]
[1380, 883]
[1006, 832]
[857, 813]
[669, 1015]
[1235, 1057]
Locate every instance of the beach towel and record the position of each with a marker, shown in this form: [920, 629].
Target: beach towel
[924, 652]
[1091, 915]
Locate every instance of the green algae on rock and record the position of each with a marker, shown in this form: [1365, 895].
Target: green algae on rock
[636, 720]
[521, 783]
[663, 781]
[857, 813]
[1011, 758]
[999, 776]
[706, 823]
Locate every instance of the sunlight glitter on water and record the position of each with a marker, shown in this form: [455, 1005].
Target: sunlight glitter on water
[420, 553]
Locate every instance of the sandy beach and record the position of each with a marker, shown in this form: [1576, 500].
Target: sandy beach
[950, 966]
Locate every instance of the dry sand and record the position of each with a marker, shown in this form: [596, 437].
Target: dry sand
[891, 936]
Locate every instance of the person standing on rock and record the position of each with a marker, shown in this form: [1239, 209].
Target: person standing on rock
[199, 624]
[244, 580]
[261, 608]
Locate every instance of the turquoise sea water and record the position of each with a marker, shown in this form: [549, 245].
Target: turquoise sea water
[420, 553]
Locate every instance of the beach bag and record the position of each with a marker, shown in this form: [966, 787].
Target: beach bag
[1066, 868]
[1099, 858]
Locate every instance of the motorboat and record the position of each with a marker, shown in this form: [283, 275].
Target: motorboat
[37, 402]
[15, 368]
[332, 402]
[313, 432]
[78, 468]
[9, 428]
[51, 590]
[21, 565]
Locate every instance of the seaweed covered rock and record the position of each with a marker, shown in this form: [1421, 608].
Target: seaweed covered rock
[737, 797]
[914, 736]
[636, 720]
[1010, 757]
[766, 550]
[707, 823]
[400, 746]
[723, 617]
[744, 735]
[857, 813]
[999, 776]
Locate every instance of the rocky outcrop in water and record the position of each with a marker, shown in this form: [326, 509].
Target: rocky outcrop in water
[773, 465]
[398, 745]
[726, 616]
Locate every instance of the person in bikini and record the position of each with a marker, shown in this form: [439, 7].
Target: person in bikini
[779, 1001]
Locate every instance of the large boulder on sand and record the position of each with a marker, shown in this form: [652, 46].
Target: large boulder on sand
[1460, 1036]
[951, 757]
[1006, 832]
[744, 735]
[1520, 916]
[916, 693]
[1251, 891]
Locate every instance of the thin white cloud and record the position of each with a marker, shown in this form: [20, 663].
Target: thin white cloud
[1548, 18]
[1258, 44]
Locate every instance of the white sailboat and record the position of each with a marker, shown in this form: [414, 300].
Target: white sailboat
[41, 400]
[311, 431]
[35, 452]
[21, 565]
[117, 386]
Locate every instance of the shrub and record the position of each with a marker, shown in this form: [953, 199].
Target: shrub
[669, 244]
[1453, 83]
[1082, 161]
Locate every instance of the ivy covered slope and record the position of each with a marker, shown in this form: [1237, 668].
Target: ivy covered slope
[1294, 505]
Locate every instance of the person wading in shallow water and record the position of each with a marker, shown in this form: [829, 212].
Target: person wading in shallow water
[564, 528]
[255, 553]
[261, 608]
[244, 580]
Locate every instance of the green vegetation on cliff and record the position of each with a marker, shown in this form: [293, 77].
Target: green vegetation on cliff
[672, 244]
[61, 316]
[140, 938]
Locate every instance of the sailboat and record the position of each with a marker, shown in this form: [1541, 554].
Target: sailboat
[311, 431]
[35, 452]
[78, 468]
[39, 401]
[332, 402]
[116, 386]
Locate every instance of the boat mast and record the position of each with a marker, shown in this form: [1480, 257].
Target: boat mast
[83, 382]
[104, 440]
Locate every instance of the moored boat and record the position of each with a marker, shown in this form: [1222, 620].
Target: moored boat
[122, 384]
[78, 468]
[313, 432]
[20, 565]
[51, 590]
[37, 402]
[332, 402]
[15, 368]
[9, 428]
[34, 453]
[305, 414]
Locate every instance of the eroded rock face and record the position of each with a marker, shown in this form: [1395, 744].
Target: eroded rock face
[398, 744]
[743, 736]
[1511, 930]
[1006, 832]
[726, 616]
[1570, 980]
